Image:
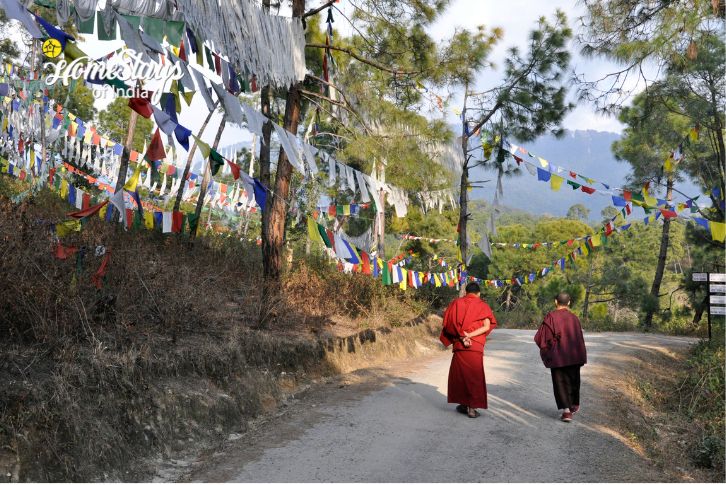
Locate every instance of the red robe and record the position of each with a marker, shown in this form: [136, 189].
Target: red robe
[467, 384]
[560, 340]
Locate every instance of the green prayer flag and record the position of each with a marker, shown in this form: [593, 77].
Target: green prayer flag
[134, 20]
[574, 185]
[210, 60]
[86, 26]
[215, 161]
[174, 31]
[155, 28]
[102, 35]
[386, 280]
[193, 222]
[325, 237]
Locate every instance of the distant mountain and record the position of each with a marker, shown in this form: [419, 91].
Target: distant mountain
[584, 151]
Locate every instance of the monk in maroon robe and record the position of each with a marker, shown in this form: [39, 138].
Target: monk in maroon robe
[467, 322]
[562, 348]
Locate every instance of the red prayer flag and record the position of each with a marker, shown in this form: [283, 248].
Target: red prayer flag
[234, 168]
[102, 270]
[627, 195]
[573, 174]
[366, 262]
[182, 51]
[156, 148]
[217, 64]
[86, 201]
[64, 252]
[129, 218]
[668, 214]
[587, 190]
[142, 106]
[51, 174]
[177, 218]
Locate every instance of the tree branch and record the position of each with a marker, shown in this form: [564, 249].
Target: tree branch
[317, 10]
[362, 59]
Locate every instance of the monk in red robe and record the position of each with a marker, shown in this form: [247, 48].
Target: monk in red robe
[467, 322]
[562, 348]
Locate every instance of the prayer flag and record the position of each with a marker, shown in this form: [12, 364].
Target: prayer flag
[556, 182]
[87, 212]
[718, 231]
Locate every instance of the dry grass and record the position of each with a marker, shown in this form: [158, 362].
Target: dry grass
[656, 400]
[166, 353]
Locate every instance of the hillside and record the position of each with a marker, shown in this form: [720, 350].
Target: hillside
[585, 151]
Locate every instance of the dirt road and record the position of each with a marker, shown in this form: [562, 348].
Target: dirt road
[395, 426]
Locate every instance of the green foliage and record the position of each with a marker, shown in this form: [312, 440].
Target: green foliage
[76, 98]
[578, 212]
[114, 121]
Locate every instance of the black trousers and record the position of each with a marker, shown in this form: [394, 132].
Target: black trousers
[566, 384]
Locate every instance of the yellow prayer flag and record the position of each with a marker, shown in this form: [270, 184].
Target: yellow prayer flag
[102, 212]
[32, 158]
[66, 227]
[404, 279]
[134, 180]
[87, 137]
[346, 210]
[64, 189]
[203, 147]
[596, 241]
[718, 231]
[313, 232]
[693, 134]
[556, 182]
[148, 220]
[668, 165]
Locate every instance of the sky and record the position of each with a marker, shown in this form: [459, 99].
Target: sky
[517, 18]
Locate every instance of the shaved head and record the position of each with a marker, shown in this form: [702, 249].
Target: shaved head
[563, 299]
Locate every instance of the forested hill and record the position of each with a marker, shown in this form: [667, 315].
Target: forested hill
[584, 151]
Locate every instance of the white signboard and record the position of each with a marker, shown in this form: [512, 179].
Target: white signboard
[718, 278]
[718, 299]
[716, 288]
[718, 310]
[700, 277]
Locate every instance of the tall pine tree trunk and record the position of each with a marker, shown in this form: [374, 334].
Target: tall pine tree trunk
[206, 178]
[187, 167]
[274, 237]
[463, 192]
[660, 267]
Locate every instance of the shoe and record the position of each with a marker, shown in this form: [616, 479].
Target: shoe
[566, 417]
[575, 408]
[462, 409]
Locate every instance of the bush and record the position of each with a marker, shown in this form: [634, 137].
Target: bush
[701, 398]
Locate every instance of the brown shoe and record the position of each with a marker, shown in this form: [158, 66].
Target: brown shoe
[566, 417]
[575, 408]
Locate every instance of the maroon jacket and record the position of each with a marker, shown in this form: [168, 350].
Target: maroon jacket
[560, 340]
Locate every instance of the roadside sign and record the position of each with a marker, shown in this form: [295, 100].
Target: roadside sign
[700, 277]
[718, 310]
[717, 278]
[717, 288]
[718, 299]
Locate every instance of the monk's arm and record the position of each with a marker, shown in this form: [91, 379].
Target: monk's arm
[481, 330]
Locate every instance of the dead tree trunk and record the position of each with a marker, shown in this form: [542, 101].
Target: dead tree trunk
[206, 179]
[187, 167]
